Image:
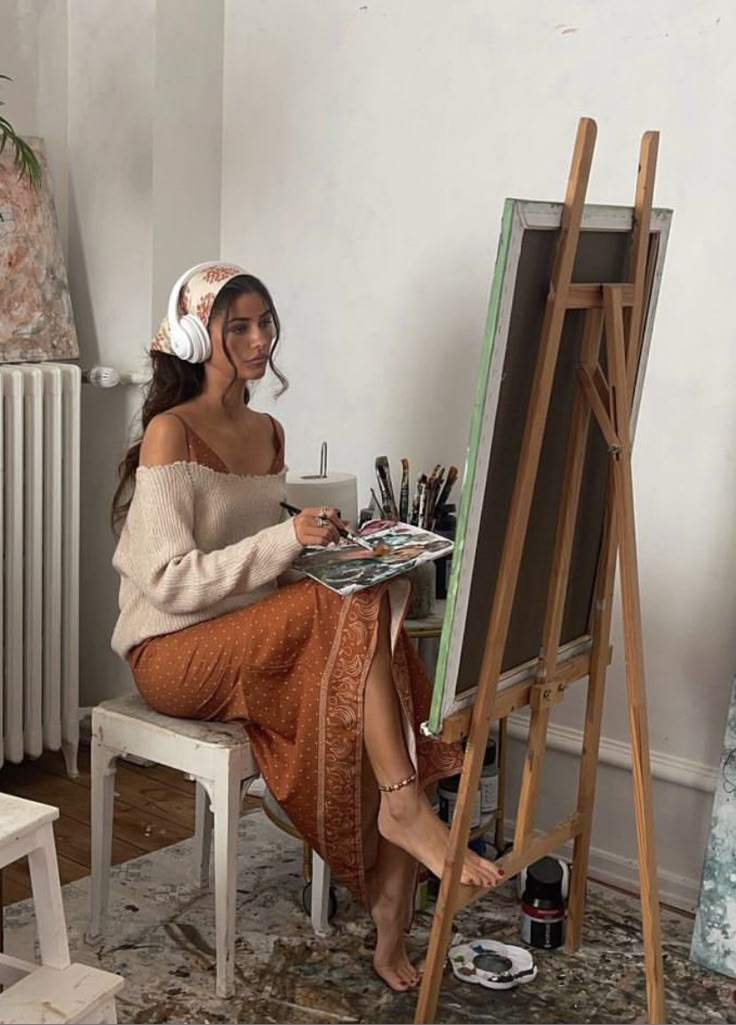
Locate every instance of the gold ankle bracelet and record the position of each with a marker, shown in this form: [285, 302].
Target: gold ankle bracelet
[398, 786]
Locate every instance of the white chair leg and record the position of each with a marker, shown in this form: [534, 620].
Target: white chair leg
[48, 906]
[226, 811]
[320, 895]
[102, 771]
[70, 750]
[202, 834]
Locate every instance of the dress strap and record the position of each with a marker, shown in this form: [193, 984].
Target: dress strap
[198, 451]
[278, 459]
[276, 435]
[187, 431]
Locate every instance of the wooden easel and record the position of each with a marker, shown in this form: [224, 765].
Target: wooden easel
[615, 311]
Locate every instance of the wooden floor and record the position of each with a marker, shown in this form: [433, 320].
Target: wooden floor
[154, 807]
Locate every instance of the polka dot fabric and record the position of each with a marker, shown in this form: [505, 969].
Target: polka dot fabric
[292, 668]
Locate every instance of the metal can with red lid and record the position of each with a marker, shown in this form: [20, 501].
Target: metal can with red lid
[543, 905]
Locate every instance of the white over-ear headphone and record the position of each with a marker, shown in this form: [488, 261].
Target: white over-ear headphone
[190, 339]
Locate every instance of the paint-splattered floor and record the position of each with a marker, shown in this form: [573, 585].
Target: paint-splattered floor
[161, 939]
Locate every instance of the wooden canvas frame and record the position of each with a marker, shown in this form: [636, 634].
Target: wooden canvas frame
[615, 312]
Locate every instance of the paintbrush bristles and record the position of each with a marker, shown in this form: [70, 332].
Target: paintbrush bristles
[445, 492]
[386, 488]
[404, 493]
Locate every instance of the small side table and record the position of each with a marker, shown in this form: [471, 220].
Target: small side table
[428, 626]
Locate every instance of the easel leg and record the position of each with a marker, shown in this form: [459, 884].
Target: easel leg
[640, 762]
[447, 898]
[518, 520]
[531, 777]
[501, 752]
[592, 732]
[558, 584]
[634, 653]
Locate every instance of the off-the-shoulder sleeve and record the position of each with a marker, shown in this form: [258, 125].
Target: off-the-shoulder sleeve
[162, 558]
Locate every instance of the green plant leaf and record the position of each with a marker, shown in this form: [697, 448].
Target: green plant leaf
[25, 160]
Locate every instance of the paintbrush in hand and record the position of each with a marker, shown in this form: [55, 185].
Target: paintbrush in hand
[345, 532]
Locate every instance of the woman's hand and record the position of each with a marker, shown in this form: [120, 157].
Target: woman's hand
[317, 526]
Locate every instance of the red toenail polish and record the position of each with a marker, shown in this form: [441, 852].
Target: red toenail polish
[501, 872]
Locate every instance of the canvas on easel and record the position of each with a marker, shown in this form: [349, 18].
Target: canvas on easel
[546, 516]
[529, 232]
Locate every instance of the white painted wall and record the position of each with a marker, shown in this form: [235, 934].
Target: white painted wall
[356, 156]
[368, 148]
[130, 100]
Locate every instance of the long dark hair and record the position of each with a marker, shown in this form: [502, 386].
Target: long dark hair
[175, 381]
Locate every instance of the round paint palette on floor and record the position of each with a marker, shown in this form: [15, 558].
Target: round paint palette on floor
[492, 964]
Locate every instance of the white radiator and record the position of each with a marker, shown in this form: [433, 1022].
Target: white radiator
[39, 554]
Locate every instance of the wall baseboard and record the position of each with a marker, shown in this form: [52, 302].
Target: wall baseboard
[670, 768]
[607, 867]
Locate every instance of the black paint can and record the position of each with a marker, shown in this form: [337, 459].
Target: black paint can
[543, 906]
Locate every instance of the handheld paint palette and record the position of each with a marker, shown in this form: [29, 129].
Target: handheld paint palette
[491, 964]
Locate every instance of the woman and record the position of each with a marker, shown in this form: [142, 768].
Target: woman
[316, 680]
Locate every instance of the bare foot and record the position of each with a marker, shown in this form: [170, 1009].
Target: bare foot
[406, 818]
[390, 959]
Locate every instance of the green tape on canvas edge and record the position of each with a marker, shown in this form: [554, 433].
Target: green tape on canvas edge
[434, 724]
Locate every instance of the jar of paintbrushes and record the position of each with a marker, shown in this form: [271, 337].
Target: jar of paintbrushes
[428, 508]
[430, 496]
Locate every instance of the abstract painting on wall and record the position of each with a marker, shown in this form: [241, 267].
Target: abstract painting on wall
[36, 320]
[714, 937]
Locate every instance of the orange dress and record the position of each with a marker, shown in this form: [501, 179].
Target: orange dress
[292, 668]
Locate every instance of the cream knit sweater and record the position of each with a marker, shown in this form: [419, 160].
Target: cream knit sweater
[197, 543]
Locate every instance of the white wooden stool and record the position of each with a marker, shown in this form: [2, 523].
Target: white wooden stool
[54, 990]
[76, 995]
[218, 757]
[26, 831]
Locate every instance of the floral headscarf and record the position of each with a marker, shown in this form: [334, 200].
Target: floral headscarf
[196, 297]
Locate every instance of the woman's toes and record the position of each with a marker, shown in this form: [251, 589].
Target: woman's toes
[391, 977]
[471, 875]
[479, 872]
[409, 972]
[410, 976]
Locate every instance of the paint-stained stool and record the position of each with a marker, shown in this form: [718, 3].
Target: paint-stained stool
[55, 990]
[219, 758]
